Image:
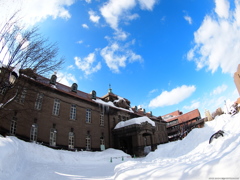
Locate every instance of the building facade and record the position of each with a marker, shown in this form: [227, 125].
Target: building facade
[179, 124]
[237, 79]
[63, 117]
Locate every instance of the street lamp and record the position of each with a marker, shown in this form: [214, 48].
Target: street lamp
[14, 74]
[12, 79]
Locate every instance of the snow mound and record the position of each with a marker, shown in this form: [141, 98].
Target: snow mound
[190, 158]
[193, 157]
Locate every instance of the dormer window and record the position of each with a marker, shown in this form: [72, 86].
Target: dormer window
[53, 79]
[74, 87]
[94, 94]
[136, 108]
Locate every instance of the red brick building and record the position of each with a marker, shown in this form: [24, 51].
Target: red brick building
[179, 124]
[59, 116]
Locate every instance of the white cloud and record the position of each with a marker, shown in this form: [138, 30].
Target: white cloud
[175, 96]
[66, 78]
[85, 26]
[80, 41]
[93, 17]
[188, 19]
[114, 10]
[120, 35]
[88, 1]
[222, 8]
[147, 4]
[70, 67]
[34, 11]
[152, 91]
[86, 64]
[219, 89]
[117, 56]
[194, 105]
[217, 41]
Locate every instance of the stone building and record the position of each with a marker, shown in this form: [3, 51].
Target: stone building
[179, 124]
[63, 117]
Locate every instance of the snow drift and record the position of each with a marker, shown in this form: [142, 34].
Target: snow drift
[190, 158]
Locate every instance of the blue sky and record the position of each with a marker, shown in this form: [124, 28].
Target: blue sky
[162, 55]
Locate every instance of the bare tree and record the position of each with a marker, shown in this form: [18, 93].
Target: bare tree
[26, 48]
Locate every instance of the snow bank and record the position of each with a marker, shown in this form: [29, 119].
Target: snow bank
[138, 120]
[190, 158]
[21, 160]
[193, 157]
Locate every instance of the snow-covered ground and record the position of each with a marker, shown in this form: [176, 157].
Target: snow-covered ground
[191, 158]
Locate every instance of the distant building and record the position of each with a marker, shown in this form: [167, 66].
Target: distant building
[63, 117]
[179, 124]
[237, 79]
[208, 115]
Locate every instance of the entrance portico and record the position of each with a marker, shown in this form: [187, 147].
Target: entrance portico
[135, 136]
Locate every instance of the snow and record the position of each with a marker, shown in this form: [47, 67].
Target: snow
[138, 120]
[190, 158]
[109, 103]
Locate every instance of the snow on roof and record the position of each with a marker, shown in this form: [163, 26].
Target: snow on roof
[99, 101]
[137, 120]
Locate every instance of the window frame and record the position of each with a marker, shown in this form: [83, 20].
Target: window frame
[13, 126]
[33, 133]
[88, 143]
[101, 119]
[73, 112]
[71, 139]
[39, 101]
[56, 107]
[88, 115]
[53, 137]
[22, 96]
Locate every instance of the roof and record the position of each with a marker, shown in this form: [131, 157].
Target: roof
[185, 117]
[138, 120]
[171, 115]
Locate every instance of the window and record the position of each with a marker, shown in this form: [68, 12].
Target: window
[56, 107]
[102, 141]
[53, 137]
[88, 143]
[71, 140]
[3, 90]
[74, 87]
[94, 94]
[38, 103]
[88, 115]
[13, 126]
[101, 119]
[73, 112]
[53, 79]
[33, 133]
[22, 95]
